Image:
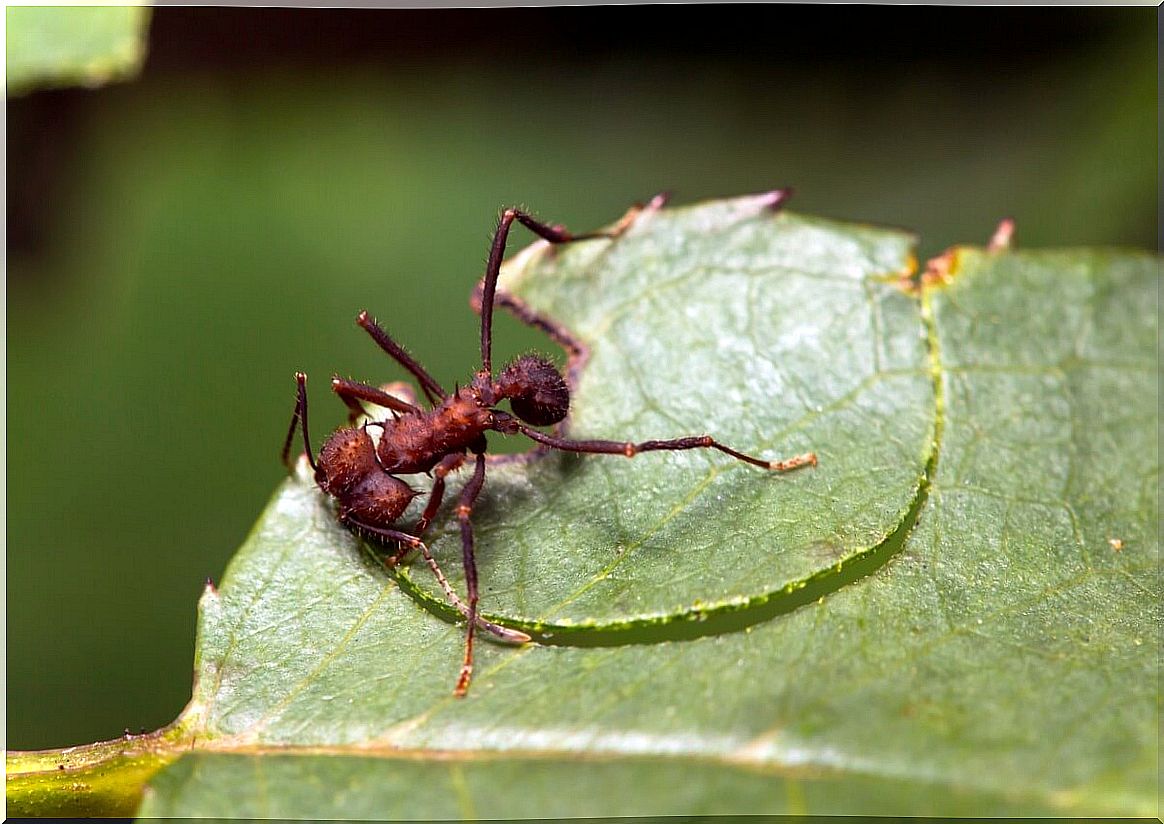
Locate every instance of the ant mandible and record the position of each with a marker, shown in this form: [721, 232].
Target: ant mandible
[362, 475]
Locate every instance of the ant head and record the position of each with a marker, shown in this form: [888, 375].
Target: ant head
[536, 390]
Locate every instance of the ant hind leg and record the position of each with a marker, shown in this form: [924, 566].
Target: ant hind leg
[484, 294]
[488, 285]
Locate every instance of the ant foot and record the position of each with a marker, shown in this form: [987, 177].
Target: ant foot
[634, 213]
[807, 459]
[462, 687]
[1000, 241]
[777, 198]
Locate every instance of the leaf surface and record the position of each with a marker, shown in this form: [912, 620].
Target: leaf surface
[775, 334]
[979, 542]
[388, 788]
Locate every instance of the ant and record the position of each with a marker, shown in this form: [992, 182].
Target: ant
[362, 475]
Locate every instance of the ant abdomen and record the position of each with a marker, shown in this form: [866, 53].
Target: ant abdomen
[377, 499]
[347, 458]
[347, 470]
[536, 390]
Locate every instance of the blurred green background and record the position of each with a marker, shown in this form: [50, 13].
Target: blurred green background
[180, 244]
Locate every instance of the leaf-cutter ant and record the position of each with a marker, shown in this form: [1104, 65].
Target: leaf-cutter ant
[363, 475]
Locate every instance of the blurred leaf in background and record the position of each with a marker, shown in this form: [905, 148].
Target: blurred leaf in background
[180, 245]
[75, 45]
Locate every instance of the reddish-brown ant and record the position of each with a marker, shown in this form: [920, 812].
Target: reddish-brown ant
[362, 475]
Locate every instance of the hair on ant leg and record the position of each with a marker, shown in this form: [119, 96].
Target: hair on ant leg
[362, 474]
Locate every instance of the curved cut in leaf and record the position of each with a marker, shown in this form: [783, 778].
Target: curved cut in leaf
[774, 333]
[70, 46]
[1001, 662]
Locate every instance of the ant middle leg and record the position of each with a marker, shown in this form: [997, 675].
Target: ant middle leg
[448, 464]
[504, 633]
[298, 417]
[630, 449]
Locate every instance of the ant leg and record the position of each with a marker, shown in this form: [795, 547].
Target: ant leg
[464, 510]
[696, 442]
[504, 633]
[352, 392]
[432, 389]
[554, 234]
[299, 416]
[483, 296]
[577, 353]
[448, 464]
[632, 214]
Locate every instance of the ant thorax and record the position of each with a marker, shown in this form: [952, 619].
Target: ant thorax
[408, 443]
[412, 443]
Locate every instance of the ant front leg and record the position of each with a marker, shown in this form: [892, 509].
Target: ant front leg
[449, 463]
[299, 416]
[630, 449]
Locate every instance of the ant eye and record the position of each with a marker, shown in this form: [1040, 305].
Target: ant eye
[536, 390]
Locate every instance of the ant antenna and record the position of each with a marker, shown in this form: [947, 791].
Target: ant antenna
[492, 270]
[299, 416]
[554, 234]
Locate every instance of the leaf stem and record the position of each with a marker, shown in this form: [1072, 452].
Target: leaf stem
[103, 779]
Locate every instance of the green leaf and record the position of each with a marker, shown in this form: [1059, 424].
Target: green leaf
[73, 45]
[777, 335]
[933, 621]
